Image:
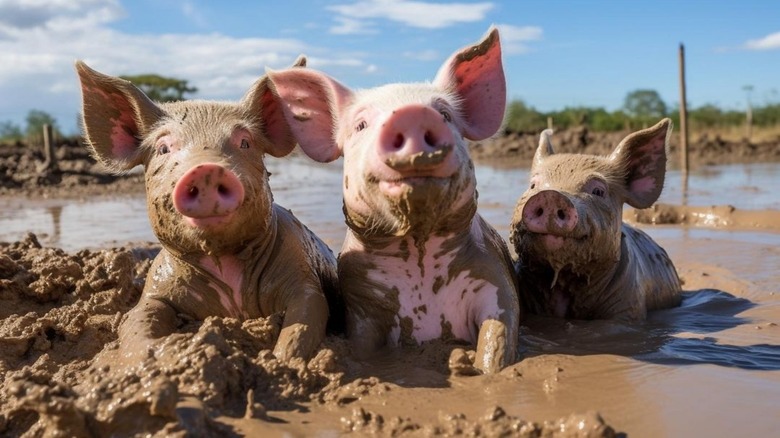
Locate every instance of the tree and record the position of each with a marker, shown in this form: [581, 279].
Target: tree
[521, 118]
[644, 105]
[35, 121]
[161, 88]
[10, 131]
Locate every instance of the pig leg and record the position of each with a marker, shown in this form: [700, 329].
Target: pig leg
[148, 320]
[304, 325]
[494, 347]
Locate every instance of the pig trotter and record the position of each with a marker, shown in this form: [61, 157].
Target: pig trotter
[492, 347]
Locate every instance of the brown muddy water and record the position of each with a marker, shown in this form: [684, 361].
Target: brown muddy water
[708, 368]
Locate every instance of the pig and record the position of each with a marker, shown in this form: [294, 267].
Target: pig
[227, 249]
[418, 262]
[576, 257]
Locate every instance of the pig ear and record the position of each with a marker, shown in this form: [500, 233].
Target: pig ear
[116, 115]
[545, 148]
[262, 101]
[476, 75]
[312, 103]
[642, 155]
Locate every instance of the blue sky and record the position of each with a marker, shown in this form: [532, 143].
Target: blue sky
[556, 53]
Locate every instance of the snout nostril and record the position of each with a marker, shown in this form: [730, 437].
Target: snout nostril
[398, 141]
[193, 192]
[539, 212]
[222, 190]
[561, 215]
[430, 139]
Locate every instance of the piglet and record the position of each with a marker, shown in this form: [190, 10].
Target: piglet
[576, 257]
[227, 249]
[418, 263]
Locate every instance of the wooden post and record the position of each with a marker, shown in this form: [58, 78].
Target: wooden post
[683, 115]
[549, 123]
[50, 159]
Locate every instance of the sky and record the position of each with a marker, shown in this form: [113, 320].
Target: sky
[556, 54]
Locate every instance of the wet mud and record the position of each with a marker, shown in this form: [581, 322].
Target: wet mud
[706, 368]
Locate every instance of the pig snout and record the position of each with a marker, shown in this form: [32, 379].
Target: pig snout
[415, 131]
[550, 212]
[207, 191]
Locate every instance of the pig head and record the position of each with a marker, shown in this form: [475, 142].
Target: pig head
[576, 257]
[228, 250]
[417, 263]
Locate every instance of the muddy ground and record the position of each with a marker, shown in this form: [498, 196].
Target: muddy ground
[684, 372]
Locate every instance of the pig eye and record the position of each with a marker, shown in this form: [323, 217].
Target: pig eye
[533, 186]
[596, 187]
[447, 116]
[361, 126]
[162, 149]
[244, 144]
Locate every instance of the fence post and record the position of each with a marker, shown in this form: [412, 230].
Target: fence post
[50, 158]
[683, 114]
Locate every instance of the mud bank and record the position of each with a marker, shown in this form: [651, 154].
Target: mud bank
[715, 216]
[79, 176]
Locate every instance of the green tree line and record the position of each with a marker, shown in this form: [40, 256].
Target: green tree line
[641, 108]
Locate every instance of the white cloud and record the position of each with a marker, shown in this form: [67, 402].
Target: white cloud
[769, 42]
[514, 38]
[351, 26]
[37, 54]
[413, 13]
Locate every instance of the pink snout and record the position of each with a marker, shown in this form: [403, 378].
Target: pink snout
[413, 129]
[550, 212]
[207, 191]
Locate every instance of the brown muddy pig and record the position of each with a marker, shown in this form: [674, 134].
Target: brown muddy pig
[576, 257]
[418, 263]
[227, 249]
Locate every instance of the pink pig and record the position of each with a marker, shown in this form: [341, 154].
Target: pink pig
[418, 263]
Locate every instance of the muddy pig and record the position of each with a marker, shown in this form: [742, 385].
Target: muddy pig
[576, 257]
[418, 263]
[228, 249]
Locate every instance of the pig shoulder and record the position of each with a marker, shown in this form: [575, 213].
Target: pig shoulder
[654, 272]
[260, 280]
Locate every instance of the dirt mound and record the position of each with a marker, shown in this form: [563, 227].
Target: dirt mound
[77, 174]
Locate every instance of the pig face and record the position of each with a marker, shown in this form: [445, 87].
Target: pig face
[206, 184]
[571, 215]
[406, 163]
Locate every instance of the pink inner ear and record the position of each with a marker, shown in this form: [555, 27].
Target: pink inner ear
[478, 73]
[643, 185]
[123, 129]
[275, 125]
[310, 102]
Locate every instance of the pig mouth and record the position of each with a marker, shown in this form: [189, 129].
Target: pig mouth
[398, 186]
[553, 240]
[209, 222]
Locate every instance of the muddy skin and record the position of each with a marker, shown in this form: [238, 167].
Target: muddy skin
[582, 261]
[228, 250]
[418, 263]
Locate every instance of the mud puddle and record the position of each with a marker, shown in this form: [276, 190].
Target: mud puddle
[707, 368]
